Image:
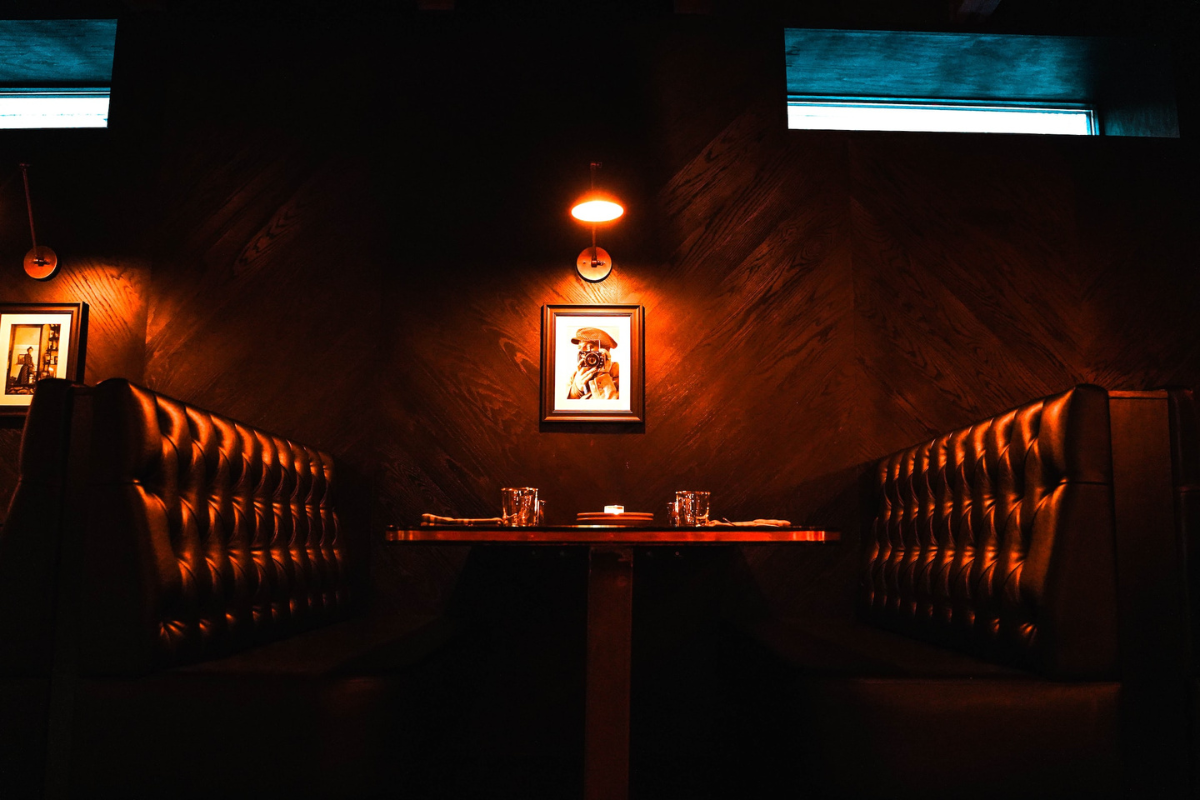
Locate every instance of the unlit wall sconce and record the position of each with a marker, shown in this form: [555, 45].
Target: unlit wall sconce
[596, 208]
[41, 263]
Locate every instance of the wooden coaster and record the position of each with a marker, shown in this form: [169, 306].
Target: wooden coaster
[629, 519]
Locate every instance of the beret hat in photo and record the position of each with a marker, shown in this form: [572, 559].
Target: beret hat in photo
[594, 335]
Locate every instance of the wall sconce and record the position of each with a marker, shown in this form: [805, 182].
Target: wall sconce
[41, 263]
[596, 208]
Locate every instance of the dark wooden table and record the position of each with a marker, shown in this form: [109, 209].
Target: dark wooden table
[610, 616]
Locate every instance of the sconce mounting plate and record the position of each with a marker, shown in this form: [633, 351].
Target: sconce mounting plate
[594, 264]
[41, 263]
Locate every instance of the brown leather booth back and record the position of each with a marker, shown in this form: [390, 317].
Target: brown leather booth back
[29, 542]
[1185, 472]
[205, 535]
[998, 539]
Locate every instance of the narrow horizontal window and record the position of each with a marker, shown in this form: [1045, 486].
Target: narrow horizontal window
[54, 109]
[961, 118]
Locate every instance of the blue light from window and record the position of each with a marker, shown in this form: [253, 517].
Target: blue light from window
[851, 115]
[54, 109]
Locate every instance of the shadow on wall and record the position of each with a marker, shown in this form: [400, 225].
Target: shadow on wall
[820, 580]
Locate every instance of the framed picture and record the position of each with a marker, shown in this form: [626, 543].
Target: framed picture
[592, 369]
[40, 340]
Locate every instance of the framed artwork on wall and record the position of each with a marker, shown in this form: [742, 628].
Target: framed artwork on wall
[40, 340]
[592, 367]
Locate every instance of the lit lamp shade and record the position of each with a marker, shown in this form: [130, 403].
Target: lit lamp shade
[597, 207]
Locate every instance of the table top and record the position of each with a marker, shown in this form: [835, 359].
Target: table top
[609, 534]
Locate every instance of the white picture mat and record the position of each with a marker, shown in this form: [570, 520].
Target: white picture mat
[566, 357]
[64, 347]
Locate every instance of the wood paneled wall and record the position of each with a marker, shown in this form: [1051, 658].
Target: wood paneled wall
[85, 208]
[354, 245]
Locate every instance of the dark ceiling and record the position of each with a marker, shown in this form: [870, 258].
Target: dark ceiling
[1094, 17]
[1173, 22]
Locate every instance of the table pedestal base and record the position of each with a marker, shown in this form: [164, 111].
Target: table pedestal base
[610, 614]
[609, 633]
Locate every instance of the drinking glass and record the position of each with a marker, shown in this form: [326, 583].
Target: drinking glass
[519, 506]
[692, 508]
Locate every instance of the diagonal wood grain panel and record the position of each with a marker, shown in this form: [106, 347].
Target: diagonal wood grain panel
[83, 209]
[1139, 242]
[955, 317]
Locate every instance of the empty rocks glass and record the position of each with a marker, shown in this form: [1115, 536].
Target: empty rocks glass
[519, 506]
[691, 509]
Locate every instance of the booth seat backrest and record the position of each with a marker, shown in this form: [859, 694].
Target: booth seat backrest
[998, 539]
[204, 535]
[1185, 472]
[177, 535]
[29, 544]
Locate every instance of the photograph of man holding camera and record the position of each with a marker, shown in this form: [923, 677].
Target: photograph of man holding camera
[596, 376]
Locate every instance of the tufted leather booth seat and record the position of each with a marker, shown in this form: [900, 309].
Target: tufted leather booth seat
[183, 595]
[997, 539]
[220, 536]
[28, 569]
[1185, 456]
[1185, 472]
[986, 660]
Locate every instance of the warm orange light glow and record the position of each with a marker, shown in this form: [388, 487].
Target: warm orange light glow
[596, 208]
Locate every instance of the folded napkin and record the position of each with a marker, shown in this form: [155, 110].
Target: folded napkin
[434, 519]
[754, 523]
